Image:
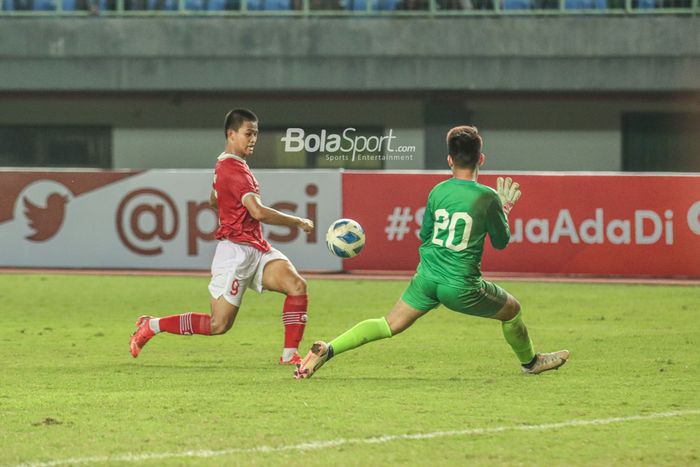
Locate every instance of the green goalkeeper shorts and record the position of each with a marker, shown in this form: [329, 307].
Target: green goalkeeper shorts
[481, 299]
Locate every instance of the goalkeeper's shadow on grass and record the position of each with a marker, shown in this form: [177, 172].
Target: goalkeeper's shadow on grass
[365, 379]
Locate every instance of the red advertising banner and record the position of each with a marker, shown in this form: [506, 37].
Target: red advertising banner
[593, 224]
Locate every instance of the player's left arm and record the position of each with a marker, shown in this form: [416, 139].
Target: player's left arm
[268, 215]
[426, 228]
[497, 224]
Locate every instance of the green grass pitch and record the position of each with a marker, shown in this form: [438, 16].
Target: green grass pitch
[70, 393]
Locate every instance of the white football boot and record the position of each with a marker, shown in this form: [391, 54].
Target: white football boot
[547, 361]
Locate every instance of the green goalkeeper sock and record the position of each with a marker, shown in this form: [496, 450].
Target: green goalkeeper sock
[362, 333]
[516, 335]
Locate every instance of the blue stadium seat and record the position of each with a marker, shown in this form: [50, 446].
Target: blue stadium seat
[163, 5]
[377, 5]
[73, 5]
[385, 5]
[195, 5]
[44, 5]
[174, 5]
[353, 5]
[277, 5]
[586, 4]
[517, 4]
[252, 5]
[646, 4]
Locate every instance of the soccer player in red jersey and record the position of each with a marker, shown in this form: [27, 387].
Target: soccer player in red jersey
[243, 257]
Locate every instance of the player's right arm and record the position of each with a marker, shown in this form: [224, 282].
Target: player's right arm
[268, 215]
[213, 203]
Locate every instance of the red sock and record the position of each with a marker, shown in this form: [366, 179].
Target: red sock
[186, 324]
[294, 319]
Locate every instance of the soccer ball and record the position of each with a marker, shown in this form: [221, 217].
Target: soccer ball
[345, 238]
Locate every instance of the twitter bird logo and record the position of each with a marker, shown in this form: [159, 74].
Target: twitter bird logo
[45, 221]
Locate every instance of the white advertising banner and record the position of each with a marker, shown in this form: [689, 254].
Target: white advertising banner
[156, 219]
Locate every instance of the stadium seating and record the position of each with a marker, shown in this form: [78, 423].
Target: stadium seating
[517, 4]
[413, 5]
[586, 4]
[269, 5]
[50, 5]
[385, 5]
[190, 5]
[73, 5]
[252, 5]
[354, 5]
[12, 5]
[44, 5]
[339, 5]
[646, 4]
[482, 4]
[165, 5]
[377, 5]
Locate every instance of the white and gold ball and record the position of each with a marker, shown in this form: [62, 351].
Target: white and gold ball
[345, 238]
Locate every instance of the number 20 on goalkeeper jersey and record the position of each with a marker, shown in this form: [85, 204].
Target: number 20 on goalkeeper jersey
[458, 215]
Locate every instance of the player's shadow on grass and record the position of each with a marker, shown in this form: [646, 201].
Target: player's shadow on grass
[193, 366]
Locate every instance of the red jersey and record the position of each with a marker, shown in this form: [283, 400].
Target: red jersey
[233, 181]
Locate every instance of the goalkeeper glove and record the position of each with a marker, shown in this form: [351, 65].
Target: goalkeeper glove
[509, 192]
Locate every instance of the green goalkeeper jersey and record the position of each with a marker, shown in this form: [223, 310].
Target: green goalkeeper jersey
[458, 215]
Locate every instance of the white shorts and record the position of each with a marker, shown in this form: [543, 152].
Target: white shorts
[237, 266]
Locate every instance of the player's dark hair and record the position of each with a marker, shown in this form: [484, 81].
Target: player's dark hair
[464, 145]
[235, 118]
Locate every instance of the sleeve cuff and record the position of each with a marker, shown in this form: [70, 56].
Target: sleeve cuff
[250, 193]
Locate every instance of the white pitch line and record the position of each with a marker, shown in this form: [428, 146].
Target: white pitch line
[323, 444]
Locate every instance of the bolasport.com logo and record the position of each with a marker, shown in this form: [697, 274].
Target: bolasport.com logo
[348, 145]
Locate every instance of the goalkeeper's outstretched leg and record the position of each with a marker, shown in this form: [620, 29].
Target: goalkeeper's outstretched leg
[400, 318]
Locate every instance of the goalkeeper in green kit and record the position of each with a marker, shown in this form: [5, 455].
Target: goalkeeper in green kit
[459, 214]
